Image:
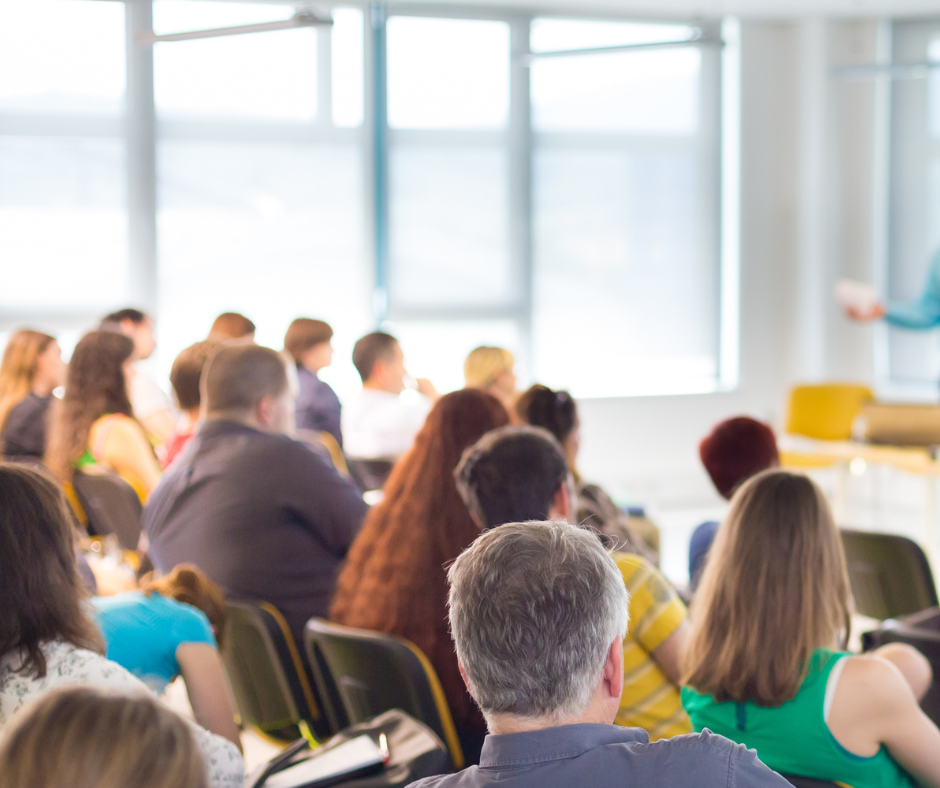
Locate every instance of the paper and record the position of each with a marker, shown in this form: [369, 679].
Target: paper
[859, 296]
[346, 759]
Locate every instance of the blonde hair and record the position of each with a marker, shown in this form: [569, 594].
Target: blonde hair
[774, 589]
[18, 367]
[485, 364]
[80, 737]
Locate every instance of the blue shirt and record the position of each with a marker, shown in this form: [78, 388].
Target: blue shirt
[318, 407]
[923, 313]
[143, 632]
[595, 756]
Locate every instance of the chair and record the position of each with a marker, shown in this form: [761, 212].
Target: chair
[272, 687]
[368, 673]
[111, 506]
[810, 782]
[890, 575]
[826, 411]
[369, 474]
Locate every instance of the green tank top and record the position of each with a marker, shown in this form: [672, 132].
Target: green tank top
[793, 738]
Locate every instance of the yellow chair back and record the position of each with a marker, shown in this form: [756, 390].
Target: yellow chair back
[826, 411]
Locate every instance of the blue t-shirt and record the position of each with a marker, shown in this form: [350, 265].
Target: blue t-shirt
[143, 632]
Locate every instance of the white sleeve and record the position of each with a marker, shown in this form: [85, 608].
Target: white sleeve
[146, 396]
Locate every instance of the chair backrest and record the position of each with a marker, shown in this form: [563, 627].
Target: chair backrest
[273, 690]
[826, 411]
[369, 474]
[372, 672]
[810, 782]
[111, 505]
[890, 575]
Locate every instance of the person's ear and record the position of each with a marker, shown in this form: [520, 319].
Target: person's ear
[613, 670]
[463, 675]
[561, 504]
[265, 410]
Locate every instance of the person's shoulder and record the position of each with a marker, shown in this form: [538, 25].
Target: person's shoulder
[874, 682]
[718, 755]
[72, 665]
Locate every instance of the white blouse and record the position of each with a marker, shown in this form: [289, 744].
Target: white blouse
[67, 665]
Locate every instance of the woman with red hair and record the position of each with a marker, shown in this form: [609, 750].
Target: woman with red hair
[734, 451]
[395, 579]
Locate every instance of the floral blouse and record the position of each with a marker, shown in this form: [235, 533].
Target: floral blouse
[67, 665]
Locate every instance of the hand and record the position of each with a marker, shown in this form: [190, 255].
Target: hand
[426, 387]
[866, 315]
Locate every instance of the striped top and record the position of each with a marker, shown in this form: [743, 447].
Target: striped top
[650, 700]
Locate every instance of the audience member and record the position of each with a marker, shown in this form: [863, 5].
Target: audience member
[170, 628]
[152, 407]
[80, 737]
[763, 668]
[394, 580]
[232, 325]
[492, 370]
[538, 612]
[380, 423]
[47, 640]
[520, 473]
[308, 343]
[185, 376]
[259, 513]
[557, 412]
[31, 369]
[94, 425]
[733, 452]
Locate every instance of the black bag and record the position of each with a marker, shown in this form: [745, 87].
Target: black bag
[414, 750]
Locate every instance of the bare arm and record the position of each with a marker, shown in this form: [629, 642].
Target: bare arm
[160, 424]
[126, 449]
[202, 670]
[873, 706]
[669, 653]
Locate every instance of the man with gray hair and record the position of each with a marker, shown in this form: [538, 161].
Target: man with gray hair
[538, 613]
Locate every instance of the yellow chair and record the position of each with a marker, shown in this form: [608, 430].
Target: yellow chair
[823, 412]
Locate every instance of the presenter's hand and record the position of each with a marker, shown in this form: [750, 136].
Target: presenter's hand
[866, 315]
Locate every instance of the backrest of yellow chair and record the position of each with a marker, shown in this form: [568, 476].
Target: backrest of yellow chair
[826, 411]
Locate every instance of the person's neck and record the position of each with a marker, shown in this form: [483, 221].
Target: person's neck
[372, 385]
[514, 723]
[245, 418]
[42, 389]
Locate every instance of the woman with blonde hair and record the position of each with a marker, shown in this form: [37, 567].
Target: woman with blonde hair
[31, 369]
[82, 737]
[94, 424]
[766, 665]
[491, 369]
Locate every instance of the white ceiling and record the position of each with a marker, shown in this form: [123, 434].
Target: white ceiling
[766, 9]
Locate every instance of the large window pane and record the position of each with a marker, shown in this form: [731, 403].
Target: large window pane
[625, 297]
[449, 226]
[62, 56]
[270, 75]
[553, 35]
[447, 73]
[63, 222]
[273, 231]
[347, 66]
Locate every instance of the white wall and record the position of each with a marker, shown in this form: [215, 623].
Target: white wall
[807, 173]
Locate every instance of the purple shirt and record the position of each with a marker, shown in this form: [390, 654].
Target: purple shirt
[317, 405]
[596, 756]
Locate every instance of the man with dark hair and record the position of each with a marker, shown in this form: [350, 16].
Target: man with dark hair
[264, 516]
[318, 408]
[185, 375]
[380, 423]
[152, 407]
[538, 613]
[516, 474]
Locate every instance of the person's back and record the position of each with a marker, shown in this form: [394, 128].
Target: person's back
[538, 611]
[259, 513]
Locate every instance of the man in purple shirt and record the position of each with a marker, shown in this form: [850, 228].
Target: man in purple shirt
[538, 613]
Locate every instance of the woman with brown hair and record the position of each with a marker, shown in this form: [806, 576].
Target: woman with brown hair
[47, 640]
[94, 424]
[764, 665]
[31, 369]
[170, 628]
[394, 580]
[85, 738]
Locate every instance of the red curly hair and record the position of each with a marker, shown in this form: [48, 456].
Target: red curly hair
[395, 580]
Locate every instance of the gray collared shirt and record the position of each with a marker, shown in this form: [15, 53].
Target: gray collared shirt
[594, 756]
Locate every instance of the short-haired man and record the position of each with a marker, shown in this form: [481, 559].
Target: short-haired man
[318, 408]
[520, 473]
[264, 516]
[380, 423]
[538, 612]
[150, 403]
[185, 375]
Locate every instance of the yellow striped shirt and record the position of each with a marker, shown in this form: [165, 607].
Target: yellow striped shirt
[650, 700]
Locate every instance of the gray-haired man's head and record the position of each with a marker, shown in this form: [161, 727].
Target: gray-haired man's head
[534, 609]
